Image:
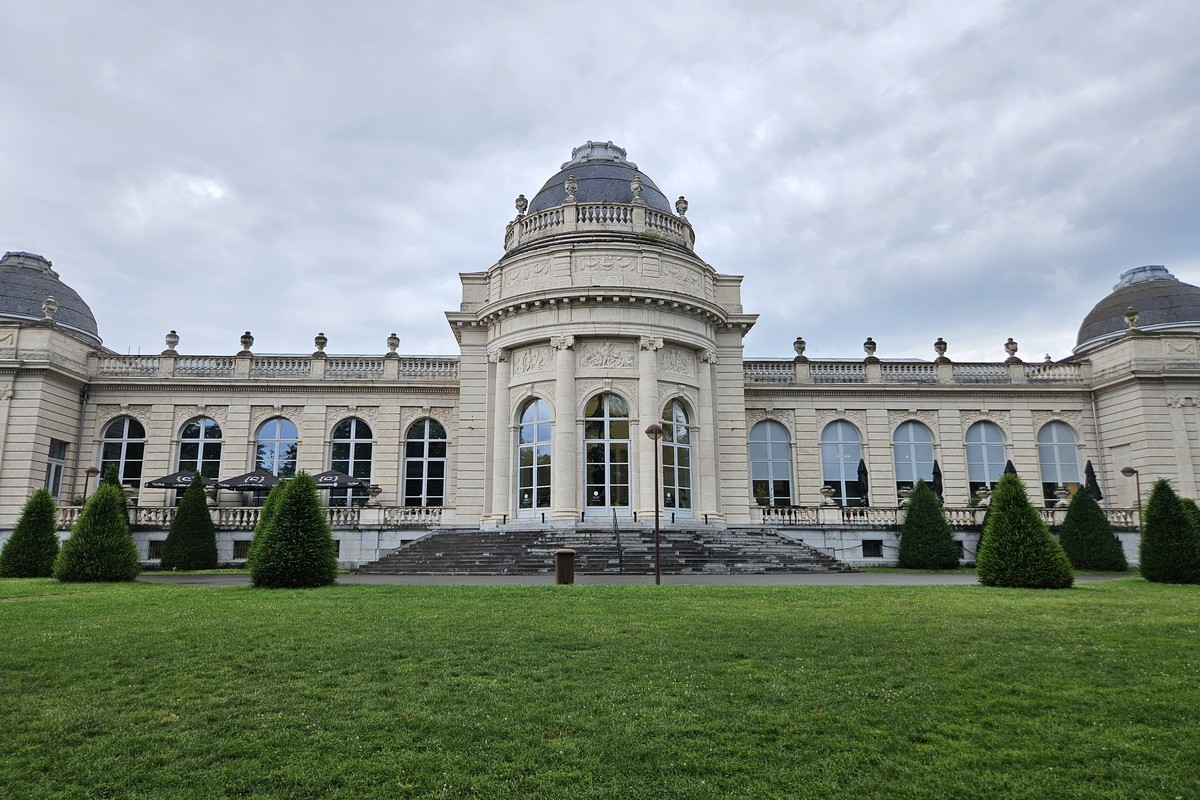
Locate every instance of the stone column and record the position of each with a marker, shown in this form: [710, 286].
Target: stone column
[704, 438]
[648, 412]
[501, 438]
[565, 458]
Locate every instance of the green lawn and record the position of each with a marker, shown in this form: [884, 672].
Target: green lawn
[159, 691]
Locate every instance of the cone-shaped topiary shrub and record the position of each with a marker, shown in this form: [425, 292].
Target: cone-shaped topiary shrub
[295, 548]
[192, 541]
[1087, 537]
[926, 539]
[111, 478]
[1017, 549]
[1170, 549]
[100, 547]
[33, 546]
[266, 517]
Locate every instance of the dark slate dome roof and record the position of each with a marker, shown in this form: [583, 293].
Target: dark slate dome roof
[26, 280]
[1160, 299]
[603, 174]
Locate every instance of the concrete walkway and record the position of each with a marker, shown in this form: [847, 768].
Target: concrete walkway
[812, 579]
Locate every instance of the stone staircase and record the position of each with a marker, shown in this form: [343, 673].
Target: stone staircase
[601, 551]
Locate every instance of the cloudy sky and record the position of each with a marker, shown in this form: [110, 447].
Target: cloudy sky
[900, 170]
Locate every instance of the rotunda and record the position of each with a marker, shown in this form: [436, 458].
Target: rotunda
[1158, 300]
[30, 290]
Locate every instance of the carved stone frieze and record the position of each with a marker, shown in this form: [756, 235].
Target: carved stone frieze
[676, 391]
[442, 415]
[856, 417]
[1073, 418]
[605, 354]
[624, 265]
[928, 418]
[686, 276]
[681, 362]
[335, 414]
[260, 414]
[586, 389]
[184, 413]
[784, 416]
[532, 359]
[1181, 401]
[1181, 348]
[524, 273]
[998, 418]
[107, 413]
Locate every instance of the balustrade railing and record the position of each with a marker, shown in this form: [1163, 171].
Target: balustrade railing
[1053, 373]
[574, 217]
[280, 366]
[245, 518]
[869, 517]
[981, 373]
[768, 371]
[900, 372]
[838, 372]
[412, 517]
[429, 367]
[887, 516]
[205, 366]
[355, 367]
[128, 365]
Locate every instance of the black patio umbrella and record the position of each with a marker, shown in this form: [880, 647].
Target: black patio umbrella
[258, 480]
[1009, 469]
[178, 480]
[937, 479]
[862, 482]
[1093, 486]
[332, 479]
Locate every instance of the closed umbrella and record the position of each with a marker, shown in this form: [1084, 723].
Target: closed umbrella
[1093, 486]
[258, 480]
[937, 480]
[862, 481]
[178, 480]
[1009, 469]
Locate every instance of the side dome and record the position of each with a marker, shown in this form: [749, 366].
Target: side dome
[26, 280]
[603, 175]
[1160, 300]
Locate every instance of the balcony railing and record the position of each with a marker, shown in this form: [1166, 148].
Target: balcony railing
[599, 217]
[279, 367]
[892, 517]
[245, 518]
[800, 373]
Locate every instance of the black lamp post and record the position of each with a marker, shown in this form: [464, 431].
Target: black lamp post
[1130, 472]
[655, 432]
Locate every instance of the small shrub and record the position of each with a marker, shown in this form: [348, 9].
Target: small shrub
[111, 478]
[266, 517]
[295, 548]
[1087, 537]
[926, 539]
[1017, 549]
[1170, 548]
[31, 549]
[192, 540]
[100, 547]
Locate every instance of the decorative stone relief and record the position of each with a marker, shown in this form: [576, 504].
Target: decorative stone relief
[783, 416]
[527, 272]
[1072, 418]
[585, 390]
[496, 356]
[605, 354]
[609, 263]
[856, 418]
[999, 418]
[184, 413]
[260, 414]
[8, 339]
[709, 357]
[106, 413]
[650, 342]
[6, 392]
[562, 342]
[531, 359]
[335, 414]
[927, 418]
[681, 362]
[1181, 348]
[1181, 401]
[442, 415]
[673, 391]
[684, 275]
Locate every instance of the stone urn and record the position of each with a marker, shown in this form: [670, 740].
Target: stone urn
[827, 496]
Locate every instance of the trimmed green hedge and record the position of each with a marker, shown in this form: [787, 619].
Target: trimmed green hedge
[1087, 537]
[192, 541]
[100, 547]
[1017, 549]
[1170, 548]
[33, 546]
[926, 538]
[295, 547]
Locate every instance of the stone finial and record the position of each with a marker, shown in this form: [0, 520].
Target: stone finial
[49, 307]
[869, 348]
[319, 341]
[939, 347]
[1131, 318]
[799, 346]
[1048, 359]
[572, 186]
[172, 341]
[247, 341]
[393, 341]
[636, 187]
[681, 206]
[522, 204]
[1010, 347]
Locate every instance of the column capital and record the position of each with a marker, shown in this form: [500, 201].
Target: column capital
[498, 355]
[564, 342]
[708, 356]
[651, 343]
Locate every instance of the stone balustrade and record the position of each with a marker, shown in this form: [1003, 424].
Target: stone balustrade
[245, 518]
[891, 517]
[278, 367]
[803, 372]
[600, 217]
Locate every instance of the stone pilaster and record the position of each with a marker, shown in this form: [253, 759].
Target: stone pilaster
[704, 436]
[648, 412]
[565, 475]
[501, 438]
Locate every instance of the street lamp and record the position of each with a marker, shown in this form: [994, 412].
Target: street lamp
[655, 432]
[1130, 472]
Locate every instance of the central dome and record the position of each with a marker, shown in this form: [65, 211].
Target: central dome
[1161, 301]
[26, 280]
[603, 174]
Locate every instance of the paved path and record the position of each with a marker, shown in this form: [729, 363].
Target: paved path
[812, 579]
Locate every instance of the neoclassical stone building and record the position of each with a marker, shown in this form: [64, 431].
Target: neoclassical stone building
[598, 319]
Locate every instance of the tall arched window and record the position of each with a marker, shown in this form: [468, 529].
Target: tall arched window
[676, 458]
[533, 458]
[985, 456]
[350, 452]
[770, 464]
[425, 464]
[275, 447]
[123, 445]
[1058, 455]
[200, 447]
[841, 450]
[606, 452]
[912, 453]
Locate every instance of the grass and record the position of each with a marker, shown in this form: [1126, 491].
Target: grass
[152, 690]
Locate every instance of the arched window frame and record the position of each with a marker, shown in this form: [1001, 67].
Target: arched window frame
[841, 450]
[677, 461]
[200, 441]
[606, 452]
[425, 446]
[912, 453]
[770, 451]
[352, 451]
[123, 443]
[276, 445]
[534, 457]
[987, 453]
[1058, 459]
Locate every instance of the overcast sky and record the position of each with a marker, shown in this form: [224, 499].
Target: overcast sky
[970, 170]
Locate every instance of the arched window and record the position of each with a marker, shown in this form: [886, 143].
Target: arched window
[606, 452]
[841, 450]
[985, 456]
[533, 458]
[770, 464]
[1058, 455]
[350, 452]
[124, 444]
[676, 458]
[200, 448]
[425, 464]
[912, 453]
[275, 447]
